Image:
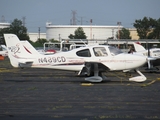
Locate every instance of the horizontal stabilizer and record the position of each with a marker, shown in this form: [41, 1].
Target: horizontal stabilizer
[25, 61]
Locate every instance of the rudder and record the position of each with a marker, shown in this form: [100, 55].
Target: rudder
[16, 50]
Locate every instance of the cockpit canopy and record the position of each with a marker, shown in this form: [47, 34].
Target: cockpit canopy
[99, 51]
[114, 50]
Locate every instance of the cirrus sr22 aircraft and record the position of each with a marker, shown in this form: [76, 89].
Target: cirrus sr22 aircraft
[92, 60]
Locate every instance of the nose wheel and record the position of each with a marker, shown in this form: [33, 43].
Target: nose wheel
[140, 78]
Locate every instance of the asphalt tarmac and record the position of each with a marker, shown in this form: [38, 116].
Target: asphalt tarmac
[45, 94]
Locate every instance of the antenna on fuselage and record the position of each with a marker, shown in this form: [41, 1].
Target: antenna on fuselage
[83, 42]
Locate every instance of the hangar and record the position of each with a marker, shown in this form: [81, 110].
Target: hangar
[59, 32]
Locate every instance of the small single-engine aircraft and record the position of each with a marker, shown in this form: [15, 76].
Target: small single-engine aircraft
[92, 60]
[3, 51]
[153, 53]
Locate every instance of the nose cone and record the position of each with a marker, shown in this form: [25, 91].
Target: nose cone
[140, 60]
[135, 61]
[143, 60]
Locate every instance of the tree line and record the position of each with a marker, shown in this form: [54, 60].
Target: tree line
[147, 28]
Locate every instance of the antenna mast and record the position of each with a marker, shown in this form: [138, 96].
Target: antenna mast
[74, 17]
[23, 21]
[2, 19]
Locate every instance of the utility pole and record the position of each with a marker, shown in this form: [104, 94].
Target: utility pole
[113, 33]
[39, 29]
[74, 17]
[59, 37]
[2, 19]
[23, 21]
[81, 20]
[91, 29]
[119, 24]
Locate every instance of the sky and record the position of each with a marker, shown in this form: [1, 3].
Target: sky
[59, 12]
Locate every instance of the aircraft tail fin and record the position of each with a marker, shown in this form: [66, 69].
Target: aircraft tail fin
[138, 47]
[19, 51]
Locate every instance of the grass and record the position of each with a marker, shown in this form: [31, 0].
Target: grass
[60, 107]
[115, 117]
[32, 88]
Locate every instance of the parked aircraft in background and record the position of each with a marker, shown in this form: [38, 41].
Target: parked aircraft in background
[3, 51]
[89, 59]
[153, 53]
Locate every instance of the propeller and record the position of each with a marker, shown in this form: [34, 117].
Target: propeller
[139, 47]
[149, 62]
[150, 59]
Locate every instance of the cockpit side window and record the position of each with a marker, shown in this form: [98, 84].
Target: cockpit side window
[84, 53]
[100, 51]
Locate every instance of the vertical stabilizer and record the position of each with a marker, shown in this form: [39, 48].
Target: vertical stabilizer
[18, 52]
[138, 47]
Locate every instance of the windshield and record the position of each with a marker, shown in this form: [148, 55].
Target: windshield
[114, 50]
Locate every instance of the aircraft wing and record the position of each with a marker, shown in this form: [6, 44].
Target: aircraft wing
[89, 68]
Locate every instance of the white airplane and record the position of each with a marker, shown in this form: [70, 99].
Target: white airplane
[89, 59]
[4, 51]
[153, 53]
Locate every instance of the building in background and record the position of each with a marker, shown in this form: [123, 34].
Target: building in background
[133, 33]
[59, 32]
[4, 25]
[94, 32]
[35, 36]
